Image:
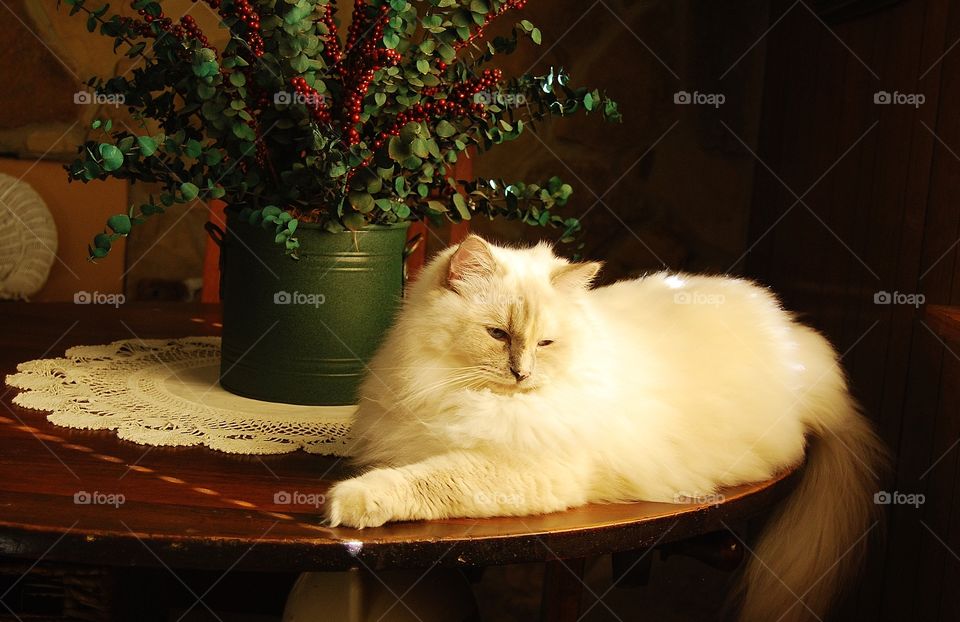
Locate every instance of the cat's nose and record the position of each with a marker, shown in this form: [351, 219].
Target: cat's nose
[519, 374]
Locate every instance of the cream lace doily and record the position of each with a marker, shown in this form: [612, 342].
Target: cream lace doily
[165, 392]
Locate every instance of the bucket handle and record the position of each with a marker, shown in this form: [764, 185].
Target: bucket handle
[217, 235]
[411, 246]
[408, 249]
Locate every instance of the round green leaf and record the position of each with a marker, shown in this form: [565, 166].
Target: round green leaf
[460, 203]
[361, 201]
[300, 63]
[102, 240]
[148, 146]
[112, 157]
[445, 129]
[119, 223]
[447, 52]
[206, 91]
[419, 148]
[212, 157]
[189, 191]
[354, 221]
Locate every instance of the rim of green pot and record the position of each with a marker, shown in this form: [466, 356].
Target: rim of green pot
[315, 225]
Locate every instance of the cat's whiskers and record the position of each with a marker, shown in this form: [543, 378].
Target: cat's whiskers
[437, 386]
[422, 367]
[453, 380]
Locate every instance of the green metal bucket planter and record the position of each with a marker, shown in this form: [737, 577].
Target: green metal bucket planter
[301, 331]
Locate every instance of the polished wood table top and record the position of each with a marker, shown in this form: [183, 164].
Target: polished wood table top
[198, 508]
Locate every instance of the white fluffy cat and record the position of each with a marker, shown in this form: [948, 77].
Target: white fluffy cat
[509, 387]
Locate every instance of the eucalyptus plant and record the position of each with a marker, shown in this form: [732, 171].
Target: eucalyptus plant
[293, 121]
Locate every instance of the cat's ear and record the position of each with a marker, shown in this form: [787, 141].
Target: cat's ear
[473, 259]
[575, 275]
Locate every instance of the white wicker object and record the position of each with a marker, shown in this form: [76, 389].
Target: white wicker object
[28, 239]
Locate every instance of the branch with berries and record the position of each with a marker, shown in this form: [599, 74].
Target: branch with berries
[300, 116]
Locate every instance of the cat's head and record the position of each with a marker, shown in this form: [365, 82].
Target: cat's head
[507, 319]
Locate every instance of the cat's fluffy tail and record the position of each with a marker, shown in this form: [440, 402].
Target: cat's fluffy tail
[816, 540]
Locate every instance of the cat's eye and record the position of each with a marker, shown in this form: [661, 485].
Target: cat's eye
[498, 333]
[544, 342]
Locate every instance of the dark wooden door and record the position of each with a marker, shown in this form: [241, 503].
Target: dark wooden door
[876, 228]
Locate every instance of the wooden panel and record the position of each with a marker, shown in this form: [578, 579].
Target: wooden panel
[889, 210]
[939, 280]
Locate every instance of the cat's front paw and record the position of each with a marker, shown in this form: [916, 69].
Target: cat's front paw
[359, 502]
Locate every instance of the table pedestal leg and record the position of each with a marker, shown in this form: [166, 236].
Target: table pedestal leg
[562, 589]
[361, 595]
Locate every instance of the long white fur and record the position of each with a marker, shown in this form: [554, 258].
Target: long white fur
[670, 385]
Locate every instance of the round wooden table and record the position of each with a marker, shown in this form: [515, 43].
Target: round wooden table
[195, 508]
